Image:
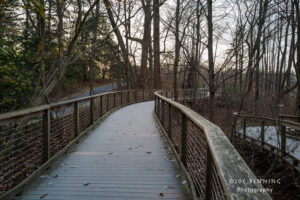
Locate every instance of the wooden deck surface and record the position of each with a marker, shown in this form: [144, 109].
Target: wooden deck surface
[123, 158]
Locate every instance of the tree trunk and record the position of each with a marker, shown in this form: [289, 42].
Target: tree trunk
[156, 46]
[211, 73]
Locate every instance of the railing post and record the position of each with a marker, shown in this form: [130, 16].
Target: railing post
[107, 104]
[128, 97]
[158, 107]
[244, 128]
[162, 113]
[155, 104]
[92, 110]
[262, 136]
[76, 119]
[101, 110]
[121, 96]
[283, 141]
[170, 121]
[209, 175]
[46, 134]
[233, 133]
[183, 140]
[143, 94]
[114, 99]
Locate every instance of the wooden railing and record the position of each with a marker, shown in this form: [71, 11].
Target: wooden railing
[32, 137]
[283, 129]
[214, 167]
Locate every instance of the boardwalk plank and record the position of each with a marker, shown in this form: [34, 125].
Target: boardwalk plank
[124, 158]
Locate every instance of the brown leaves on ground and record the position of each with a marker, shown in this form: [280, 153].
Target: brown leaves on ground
[44, 195]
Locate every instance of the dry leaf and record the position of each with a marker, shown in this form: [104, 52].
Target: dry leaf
[130, 148]
[161, 194]
[171, 187]
[43, 196]
[55, 176]
[86, 184]
[149, 152]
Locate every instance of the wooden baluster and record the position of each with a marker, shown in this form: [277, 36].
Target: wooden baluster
[114, 99]
[46, 134]
[121, 93]
[183, 139]
[107, 103]
[101, 104]
[283, 141]
[244, 128]
[209, 174]
[76, 119]
[262, 136]
[92, 110]
[128, 97]
[170, 122]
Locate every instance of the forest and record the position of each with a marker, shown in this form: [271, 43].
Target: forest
[244, 53]
[247, 48]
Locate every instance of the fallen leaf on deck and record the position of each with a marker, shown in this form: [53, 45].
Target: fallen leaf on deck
[44, 195]
[55, 176]
[110, 153]
[86, 184]
[130, 148]
[161, 194]
[50, 183]
[171, 187]
[149, 152]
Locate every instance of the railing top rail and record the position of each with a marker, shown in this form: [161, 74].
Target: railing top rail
[22, 112]
[230, 165]
[288, 123]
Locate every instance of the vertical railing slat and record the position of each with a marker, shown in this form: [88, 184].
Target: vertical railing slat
[46, 134]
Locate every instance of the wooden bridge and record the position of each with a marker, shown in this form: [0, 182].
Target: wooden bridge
[113, 146]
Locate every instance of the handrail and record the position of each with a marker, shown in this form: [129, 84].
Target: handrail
[288, 123]
[29, 110]
[31, 137]
[227, 174]
[281, 148]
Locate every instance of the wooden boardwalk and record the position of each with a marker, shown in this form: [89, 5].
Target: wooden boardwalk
[123, 158]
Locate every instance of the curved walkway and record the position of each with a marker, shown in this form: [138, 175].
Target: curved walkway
[123, 158]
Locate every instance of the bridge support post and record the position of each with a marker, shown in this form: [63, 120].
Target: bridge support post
[262, 136]
[107, 104]
[283, 141]
[121, 98]
[46, 134]
[233, 133]
[114, 100]
[101, 106]
[158, 108]
[92, 110]
[143, 94]
[128, 97]
[135, 96]
[163, 113]
[76, 119]
[244, 128]
[155, 105]
[183, 140]
[170, 121]
[209, 175]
